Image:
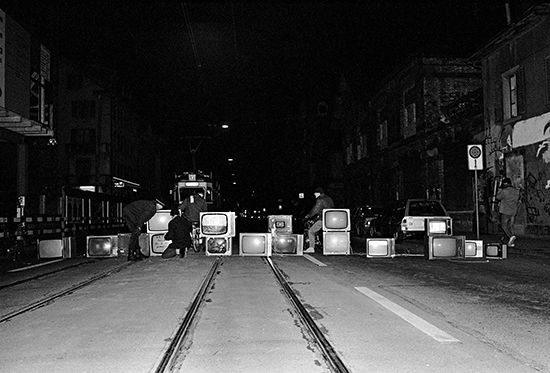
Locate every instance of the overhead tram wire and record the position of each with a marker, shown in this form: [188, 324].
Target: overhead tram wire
[191, 35]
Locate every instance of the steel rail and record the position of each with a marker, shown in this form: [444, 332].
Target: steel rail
[168, 360]
[2, 287]
[62, 293]
[331, 357]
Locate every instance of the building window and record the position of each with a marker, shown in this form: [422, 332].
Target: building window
[83, 140]
[512, 93]
[83, 109]
[383, 134]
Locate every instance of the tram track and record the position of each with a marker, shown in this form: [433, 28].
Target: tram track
[50, 299]
[170, 356]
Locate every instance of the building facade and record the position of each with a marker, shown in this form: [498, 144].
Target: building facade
[516, 90]
[409, 140]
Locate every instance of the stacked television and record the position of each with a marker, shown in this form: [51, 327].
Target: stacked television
[336, 231]
[153, 243]
[283, 241]
[217, 230]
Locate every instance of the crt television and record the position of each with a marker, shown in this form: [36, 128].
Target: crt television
[474, 249]
[336, 243]
[215, 224]
[218, 245]
[438, 226]
[380, 247]
[496, 250]
[444, 247]
[336, 220]
[281, 223]
[101, 246]
[255, 244]
[157, 243]
[159, 222]
[288, 244]
[49, 249]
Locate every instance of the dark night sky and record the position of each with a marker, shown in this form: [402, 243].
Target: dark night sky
[251, 63]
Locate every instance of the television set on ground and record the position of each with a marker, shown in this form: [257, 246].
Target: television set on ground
[48, 249]
[159, 222]
[157, 243]
[218, 246]
[380, 247]
[444, 247]
[288, 244]
[101, 246]
[336, 243]
[281, 223]
[438, 226]
[214, 224]
[336, 220]
[474, 249]
[496, 250]
[255, 244]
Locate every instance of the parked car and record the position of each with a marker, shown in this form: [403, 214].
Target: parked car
[364, 220]
[405, 219]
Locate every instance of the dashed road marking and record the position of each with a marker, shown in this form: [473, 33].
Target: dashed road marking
[313, 260]
[419, 323]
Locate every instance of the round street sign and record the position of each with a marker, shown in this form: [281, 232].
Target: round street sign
[475, 157]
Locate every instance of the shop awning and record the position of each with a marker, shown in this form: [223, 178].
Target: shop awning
[531, 130]
[26, 127]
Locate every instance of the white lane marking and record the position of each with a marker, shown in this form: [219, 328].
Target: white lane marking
[35, 265]
[312, 259]
[421, 324]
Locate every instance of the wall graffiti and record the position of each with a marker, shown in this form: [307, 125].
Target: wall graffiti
[535, 193]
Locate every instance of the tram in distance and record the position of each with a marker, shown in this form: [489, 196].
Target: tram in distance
[188, 183]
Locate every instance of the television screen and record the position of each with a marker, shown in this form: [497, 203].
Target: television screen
[50, 249]
[441, 226]
[255, 244]
[496, 250]
[281, 223]
[474, 249]
[158, 244]
[159, 222]
[101, 246]
[336, 243]
[217, 224]
[445, 247]
[380, 247]
[218, 246]
[336, 219]
[289, 244]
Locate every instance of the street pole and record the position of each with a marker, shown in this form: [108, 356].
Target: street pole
[477, 204]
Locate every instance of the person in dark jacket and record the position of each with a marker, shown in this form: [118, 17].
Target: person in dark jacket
[508, 198]
[135, 214]
[192, 206]
[322, 202]
[179, 232]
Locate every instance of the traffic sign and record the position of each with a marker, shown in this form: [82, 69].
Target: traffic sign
[475, 157]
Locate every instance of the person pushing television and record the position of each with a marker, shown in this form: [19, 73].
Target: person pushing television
[135, 214]
[322, 202]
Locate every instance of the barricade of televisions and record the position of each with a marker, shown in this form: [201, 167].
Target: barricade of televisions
[440, 243]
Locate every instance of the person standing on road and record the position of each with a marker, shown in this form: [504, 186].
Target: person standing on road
[179, 232]
[193, 205]
[135, 214]
[322, 202]
[508, 198]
